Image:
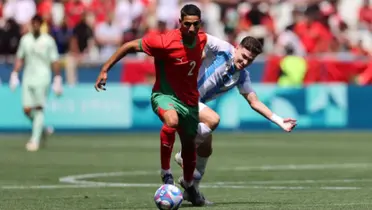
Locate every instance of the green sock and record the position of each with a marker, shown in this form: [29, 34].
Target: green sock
[37, 126]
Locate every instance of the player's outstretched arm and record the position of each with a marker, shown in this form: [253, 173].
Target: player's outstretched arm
[286, 124]
[132, 46]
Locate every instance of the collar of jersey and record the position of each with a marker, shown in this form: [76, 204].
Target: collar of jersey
[189, 46]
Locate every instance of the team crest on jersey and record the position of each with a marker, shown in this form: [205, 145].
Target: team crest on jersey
[230, 78]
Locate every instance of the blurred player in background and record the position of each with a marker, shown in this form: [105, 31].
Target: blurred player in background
[220, 73]
[175, 96]
[38, 53]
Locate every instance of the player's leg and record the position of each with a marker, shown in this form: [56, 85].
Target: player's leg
[28, 104]
[209, 121]
[204, 151]
[187, 131]
[164, 108]
[39, 96]
[167, 138]
[204, 145]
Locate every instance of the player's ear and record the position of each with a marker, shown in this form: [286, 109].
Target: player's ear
[180, 21]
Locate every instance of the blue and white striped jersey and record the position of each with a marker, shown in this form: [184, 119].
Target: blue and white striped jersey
[217, 74]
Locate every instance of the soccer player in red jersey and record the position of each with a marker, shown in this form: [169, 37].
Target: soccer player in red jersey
[175, 96]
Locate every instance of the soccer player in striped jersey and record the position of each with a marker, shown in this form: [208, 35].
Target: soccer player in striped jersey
[223, 69]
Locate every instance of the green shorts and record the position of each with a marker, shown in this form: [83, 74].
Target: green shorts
[34, 95]
[188, 116]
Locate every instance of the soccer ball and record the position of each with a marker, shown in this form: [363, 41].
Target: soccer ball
[168, 197]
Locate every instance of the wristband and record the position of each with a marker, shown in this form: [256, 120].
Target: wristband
[276, 119]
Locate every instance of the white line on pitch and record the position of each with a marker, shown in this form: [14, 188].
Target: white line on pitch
[299, 181]
[128, 185]
[299, 167]
[75, 179]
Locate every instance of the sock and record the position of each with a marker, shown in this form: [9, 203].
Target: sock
[163, 172]
[204, 130]
[37, 126]
[201, 164]
[199, 140]
[189, 163]
[167, 138]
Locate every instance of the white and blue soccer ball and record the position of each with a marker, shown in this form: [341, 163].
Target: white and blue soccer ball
[168, 197]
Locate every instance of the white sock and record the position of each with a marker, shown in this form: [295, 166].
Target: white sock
[37, 126]
[163, 172]
[201, 164]
[204, 130]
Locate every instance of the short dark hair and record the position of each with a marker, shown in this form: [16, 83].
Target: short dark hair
[37, 18]
[252, 45]
[190, 10]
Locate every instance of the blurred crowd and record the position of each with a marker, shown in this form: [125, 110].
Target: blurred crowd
[93, 29]
[96, 27]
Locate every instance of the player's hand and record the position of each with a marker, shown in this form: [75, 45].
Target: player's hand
[57, 85]
[13, 81]
[101, 81]
[289, 124]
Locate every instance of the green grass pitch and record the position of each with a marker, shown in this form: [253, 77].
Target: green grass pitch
[246, 171]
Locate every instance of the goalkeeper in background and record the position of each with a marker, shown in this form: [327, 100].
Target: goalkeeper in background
[38, 52]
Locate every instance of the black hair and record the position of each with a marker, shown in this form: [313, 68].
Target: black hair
[190, 10]
[37, 18]
[252, 44]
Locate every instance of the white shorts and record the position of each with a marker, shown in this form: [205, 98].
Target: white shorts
[201, 106]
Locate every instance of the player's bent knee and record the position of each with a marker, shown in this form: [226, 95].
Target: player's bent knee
[210, 118]
[215, 122]
[171, 118]
[27, 110]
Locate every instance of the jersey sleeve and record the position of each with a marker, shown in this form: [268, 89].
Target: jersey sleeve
[21, 49]
[152, 45]
[215, 45]
[245, 84]
[53, 53]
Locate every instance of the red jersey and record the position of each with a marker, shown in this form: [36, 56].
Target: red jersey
[176, 64]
